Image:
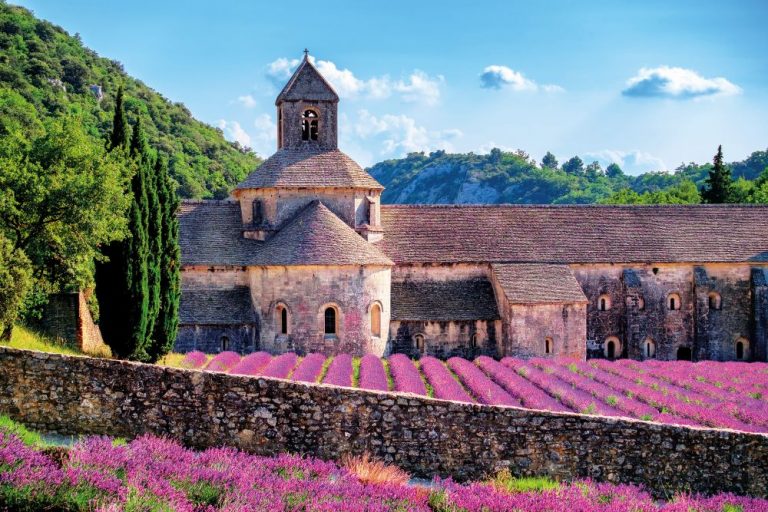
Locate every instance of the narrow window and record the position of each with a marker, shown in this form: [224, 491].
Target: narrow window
[283, 321]
[279, 128]
[330, 320]
[309, 126]
[419, 338]
[473, 342]
[739, 350]
[258, 214]
[548, 346]
[715, 301]
[650, 349]
[604, 303]
[376, 320]
[224, 343]
[611, 350]
[673, 302]
[612, 347]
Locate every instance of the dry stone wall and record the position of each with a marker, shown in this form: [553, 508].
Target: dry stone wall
[424, 436]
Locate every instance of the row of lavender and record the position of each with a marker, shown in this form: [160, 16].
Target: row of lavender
[158, 474]
[723, 395]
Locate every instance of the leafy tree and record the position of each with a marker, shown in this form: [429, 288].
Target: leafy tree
[15, 282]
[685, 193]
[593, 171]
[574, 166]
[719, 184]
[614, 171]
[167, 323]
[549, 161]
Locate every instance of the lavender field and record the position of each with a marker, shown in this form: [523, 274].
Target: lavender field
[730, 395]
[153, 474]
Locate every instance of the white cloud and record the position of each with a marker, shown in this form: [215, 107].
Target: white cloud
[497, 77]
[247, 101]
[419, 87]
[265, 136]
[631, 162]
[400, 134]
[677, 83]
[233, 131]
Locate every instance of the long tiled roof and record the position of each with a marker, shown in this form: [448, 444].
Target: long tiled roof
[469, 299]
[537, 283]
[210, 233]
[316, 236]
[309, 167]
[216, 307]
[307, 84]
[575, 234]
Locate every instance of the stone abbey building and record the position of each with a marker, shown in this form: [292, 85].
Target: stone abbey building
[304, 257]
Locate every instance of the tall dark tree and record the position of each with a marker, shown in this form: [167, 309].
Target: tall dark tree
[614, 171]
[574, 166]
[549, 161]
[719, 183]
[119, 136]
[167, 323]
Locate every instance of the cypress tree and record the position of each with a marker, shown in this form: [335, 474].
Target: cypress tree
[166, 326]
[719, 183]
[133, 340]
[119, 136]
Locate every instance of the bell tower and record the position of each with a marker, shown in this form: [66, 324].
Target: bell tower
[307, 111]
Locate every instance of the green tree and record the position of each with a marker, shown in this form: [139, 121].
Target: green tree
[574, 166]
[167, 323]
[119, 135]
[613, 171]
[719, 183]
[549, 161]
[15, 282]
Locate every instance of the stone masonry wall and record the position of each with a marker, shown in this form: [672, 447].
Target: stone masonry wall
[67, 317]
[424, 436]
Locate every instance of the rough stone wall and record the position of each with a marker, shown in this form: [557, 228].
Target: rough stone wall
[597, 282]
[213, 339]
[446, 339]
[76, 395]
[213, 277]
[530, 325]
[305, 291]
[67, 317]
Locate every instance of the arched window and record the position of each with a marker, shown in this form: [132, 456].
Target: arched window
[376, 320]
[612, 347]
[309, 126]
[473, 341]
[649, 349]
[604, 303]
[419, 340]
[684, 354]
[281, 319]
[715, 301]
[673, 302]
[330, 320]
[742, 349]
[548, 345]
[258, 213]
[224, 343]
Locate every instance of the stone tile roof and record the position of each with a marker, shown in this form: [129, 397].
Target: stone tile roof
[575, 234]
[469, 299]
[316, 236]
[310, 167]
[210, 233]
[216, 307]
[537, 283]
[307, 84]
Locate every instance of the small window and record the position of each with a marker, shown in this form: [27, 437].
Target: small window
[715, 301]
[258, 213]
[612, 347]
[548, 345]
[330, 320]
[742, 349]
[309, 126]
[224, 342]
[473, 341]
[684, 354]
[376, 320]
[649, 349]
[419, 340]
[673, 302]
[282, 319]
[604, 303]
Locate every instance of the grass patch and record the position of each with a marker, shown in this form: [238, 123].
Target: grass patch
[28, 437]
[28, 339]
[372, 471]
[612, 400]
[390, 380]
[172, 359]
[324, 369]
[355, 371]
[504, 481]
[427, 385]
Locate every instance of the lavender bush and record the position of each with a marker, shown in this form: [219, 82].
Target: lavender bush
[442, 381]
[194, 360]
[281, 366]
[340, 371]
[372, 374]
[223, 361]
[486, 391]
[309, 368]
[251, 364]
[405, 375]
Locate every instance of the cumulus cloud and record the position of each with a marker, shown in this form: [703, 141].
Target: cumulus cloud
[677, 83]
[247, 101]
[400, 134]
[419, 87]
[631, 162]
[233, 131]
[498, 77]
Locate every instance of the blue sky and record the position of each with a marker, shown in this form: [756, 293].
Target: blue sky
[647, 84]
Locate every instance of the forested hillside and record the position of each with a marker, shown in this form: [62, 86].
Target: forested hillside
[515, 177]
[56, 75]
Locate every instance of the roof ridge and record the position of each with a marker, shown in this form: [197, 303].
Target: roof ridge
[294, 77]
